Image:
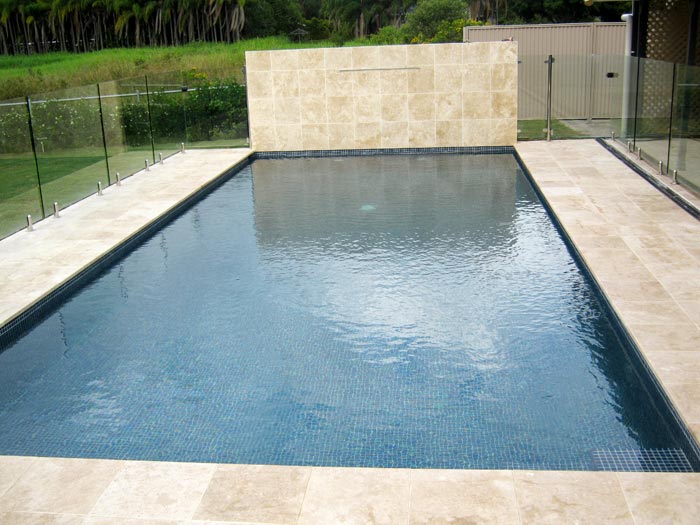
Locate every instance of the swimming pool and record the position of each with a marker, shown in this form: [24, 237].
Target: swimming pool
[396, 311]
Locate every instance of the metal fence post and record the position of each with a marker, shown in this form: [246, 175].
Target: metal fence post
[640, 65]
[549, 62]
[150, 121]
[104, 135]
[670, 119]
[36, 159]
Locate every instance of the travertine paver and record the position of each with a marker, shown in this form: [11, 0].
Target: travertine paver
[255, 493]
[463, 496]
[356, 496]
[619, 224]
[571, 497]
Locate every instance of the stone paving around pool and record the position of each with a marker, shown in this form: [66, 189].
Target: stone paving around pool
[640, 246]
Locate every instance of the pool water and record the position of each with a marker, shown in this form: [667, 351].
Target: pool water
[388, 311]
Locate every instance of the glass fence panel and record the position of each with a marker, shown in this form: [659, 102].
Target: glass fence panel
[684, 154]
[653, 109]
[610, 80]
[168, 118]
[216, 109]
[532, 97]
[19, 184]
[587, 95]
[69, 147]
[127, 128]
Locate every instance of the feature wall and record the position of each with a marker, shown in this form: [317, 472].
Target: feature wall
[413, 96]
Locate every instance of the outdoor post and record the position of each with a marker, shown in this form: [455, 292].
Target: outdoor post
[549, 97]
[627, 80]
[670, 119]
[36, 160]
[687, 82]
[104, 136]
[150, 123]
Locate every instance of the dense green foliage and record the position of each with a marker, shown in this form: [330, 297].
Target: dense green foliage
[28, 26]
[546, 11]
[423, 22]
[428, 21]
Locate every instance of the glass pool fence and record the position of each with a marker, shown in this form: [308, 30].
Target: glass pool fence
[56, 147]
[641, 103]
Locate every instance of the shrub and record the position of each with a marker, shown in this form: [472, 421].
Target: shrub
[423, 23]
[388, 35]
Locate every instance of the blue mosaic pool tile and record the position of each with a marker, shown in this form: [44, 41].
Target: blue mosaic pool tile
[454, 150]
[660, 460]
[279, 362]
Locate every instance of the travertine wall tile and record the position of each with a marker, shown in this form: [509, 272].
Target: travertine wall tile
[421, 106]
[261, 111]
[448, 132]
[264, 136]
[474, 106]
[392, 56]
[368, 135]
[395, 108]
[504, 104]
[285, 84]
[476, 53]
[366, 109]
[338, 83]
[259, 61]
[394, 134]
[503, 53]
[448, 106]
[259, 84]
[366, 83]
[477, 77]
[421, 80]
[287, 111]
[288, 137]
[315, 136]
[448, 79]
[394, 82]
[476, 130]
[383, 96]
[311, 83]
[341, 109]
[312, 59]
[342, 136]
[449, 54]
[338, 58]
[313, 110]
[503, 132]
[421, 133]
[365, 57]
[504, 77]
[420, 56]
[287, 61]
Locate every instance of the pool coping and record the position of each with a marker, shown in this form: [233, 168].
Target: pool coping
[520, 496]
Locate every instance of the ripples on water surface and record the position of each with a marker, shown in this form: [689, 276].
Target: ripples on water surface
[377, 311]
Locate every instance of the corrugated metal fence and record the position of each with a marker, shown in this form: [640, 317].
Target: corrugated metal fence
[587, 74]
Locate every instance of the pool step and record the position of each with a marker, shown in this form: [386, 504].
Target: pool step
[646, 460]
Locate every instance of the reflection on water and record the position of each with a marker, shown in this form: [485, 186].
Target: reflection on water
[380, 311]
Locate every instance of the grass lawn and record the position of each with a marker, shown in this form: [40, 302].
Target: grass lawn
[18, 173]
[25, 75]
[536, 130]
[71, 175]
